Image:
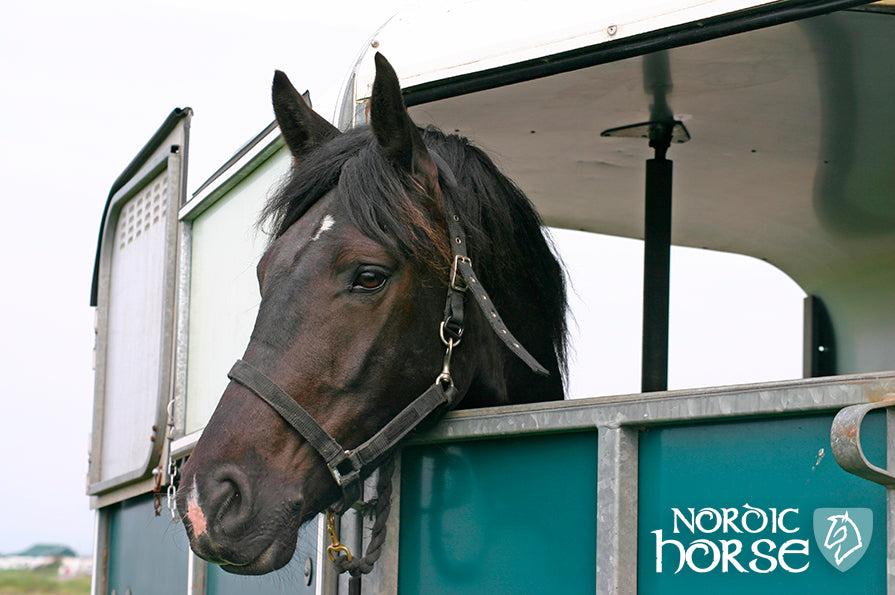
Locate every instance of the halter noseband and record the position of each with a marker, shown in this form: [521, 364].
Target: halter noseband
[348, 467]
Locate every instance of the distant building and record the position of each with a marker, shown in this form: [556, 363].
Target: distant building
[43, 554]
[48, 550]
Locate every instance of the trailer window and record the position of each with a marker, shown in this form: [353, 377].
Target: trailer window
[225, 246]
[733, 319]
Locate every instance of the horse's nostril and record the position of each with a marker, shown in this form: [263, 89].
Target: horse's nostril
[229, 499]
[232, 498]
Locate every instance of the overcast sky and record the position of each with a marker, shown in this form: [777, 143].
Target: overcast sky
[84, 85]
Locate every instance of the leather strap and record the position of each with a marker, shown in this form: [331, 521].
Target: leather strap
[294, 414]
[346, 466]
[463, 279]
[497, 324]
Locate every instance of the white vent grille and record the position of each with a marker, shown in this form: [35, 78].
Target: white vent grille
[141, 212]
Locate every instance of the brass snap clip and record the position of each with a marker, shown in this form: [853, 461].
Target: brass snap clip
[336, 546]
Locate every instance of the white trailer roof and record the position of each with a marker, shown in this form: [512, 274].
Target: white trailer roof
[434, 43]
[791, 127]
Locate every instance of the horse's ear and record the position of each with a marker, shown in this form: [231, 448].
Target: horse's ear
[398, 137]
[301, 126]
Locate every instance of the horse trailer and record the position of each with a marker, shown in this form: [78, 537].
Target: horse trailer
[776, 117]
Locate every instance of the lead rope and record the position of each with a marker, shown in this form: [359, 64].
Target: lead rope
[380, 507]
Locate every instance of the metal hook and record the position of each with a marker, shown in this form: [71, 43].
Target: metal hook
[336, 546]
[445, 376]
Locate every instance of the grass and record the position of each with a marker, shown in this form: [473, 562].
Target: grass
[41, 582]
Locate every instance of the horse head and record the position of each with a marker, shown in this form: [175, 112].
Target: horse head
[350, 328]
[843, 535]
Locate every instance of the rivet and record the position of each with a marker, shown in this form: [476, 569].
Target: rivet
[503, 330]
[516, 345]
[612, 30]
[493, 314]
[375, 44]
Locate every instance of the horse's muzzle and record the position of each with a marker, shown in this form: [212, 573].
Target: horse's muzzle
[218, 510]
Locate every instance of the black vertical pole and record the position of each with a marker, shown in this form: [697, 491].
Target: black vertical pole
[656, 262]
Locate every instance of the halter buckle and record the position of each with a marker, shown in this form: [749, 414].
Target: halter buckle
[457, 281]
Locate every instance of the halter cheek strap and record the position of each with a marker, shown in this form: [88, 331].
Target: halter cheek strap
[463, 279]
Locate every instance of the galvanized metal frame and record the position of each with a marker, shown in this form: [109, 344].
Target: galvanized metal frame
[327, 579]
[617, 501]
[197, 575]
[99, 583]
[760, 399]
[890, 506]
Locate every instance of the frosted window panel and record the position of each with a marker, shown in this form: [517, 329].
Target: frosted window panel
[134, 331]
[224, 298]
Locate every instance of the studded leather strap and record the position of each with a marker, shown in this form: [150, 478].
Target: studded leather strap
[463, 279]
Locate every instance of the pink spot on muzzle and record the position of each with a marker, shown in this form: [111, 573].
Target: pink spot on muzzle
[194, 513]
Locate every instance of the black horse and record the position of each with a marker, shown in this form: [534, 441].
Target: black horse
[372, 230]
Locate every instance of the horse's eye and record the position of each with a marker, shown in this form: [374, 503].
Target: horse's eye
[369, 280]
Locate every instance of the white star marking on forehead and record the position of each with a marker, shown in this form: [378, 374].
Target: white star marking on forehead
[325, 224]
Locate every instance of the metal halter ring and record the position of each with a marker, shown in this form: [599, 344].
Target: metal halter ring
[450, 342]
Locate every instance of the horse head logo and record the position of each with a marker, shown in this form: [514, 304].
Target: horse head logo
[846, 534]
[843, 535]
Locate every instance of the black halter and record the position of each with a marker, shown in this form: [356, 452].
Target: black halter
[348, 467]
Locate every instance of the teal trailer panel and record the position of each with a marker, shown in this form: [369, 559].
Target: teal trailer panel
[500, 516]
[738, 500]
[288, 579]
[147, 553]
[150, 554]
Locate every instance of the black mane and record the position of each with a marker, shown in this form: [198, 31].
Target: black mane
[506, 239]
